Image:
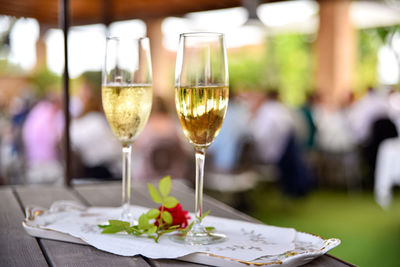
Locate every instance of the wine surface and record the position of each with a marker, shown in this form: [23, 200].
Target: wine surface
[201, 111]
[127, 109]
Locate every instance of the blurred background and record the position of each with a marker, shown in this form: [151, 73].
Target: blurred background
[310, 139]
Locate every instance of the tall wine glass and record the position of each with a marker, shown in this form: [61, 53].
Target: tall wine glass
[127, 98]
[201, 98]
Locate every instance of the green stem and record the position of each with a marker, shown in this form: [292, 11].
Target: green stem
[158, 237]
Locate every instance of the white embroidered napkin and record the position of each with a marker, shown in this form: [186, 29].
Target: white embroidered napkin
[246, 241]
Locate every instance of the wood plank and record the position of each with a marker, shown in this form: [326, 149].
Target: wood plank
[17, 248]
[327, 261]
[68, 254]
[43, 196]
[174, 263]
[109, 194]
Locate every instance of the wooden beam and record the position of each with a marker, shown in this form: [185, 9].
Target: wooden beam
[335, 49]
[92, 11]
[162, 84]
[64, 24]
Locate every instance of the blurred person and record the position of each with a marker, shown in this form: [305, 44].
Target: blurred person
[273, 132]
[387, 171]
[338, 160]
[41, 133]
[365, 111]
[373, 121]
[4, 126]
[97, 151]
[382, 129]
[272, 126]
[394, 107]
[348, 100]
[231, 169]
[159, 151]
[19, 113]
[227, 148]
[334, 130]
[306, 131]
[307, 112]
[12, 148]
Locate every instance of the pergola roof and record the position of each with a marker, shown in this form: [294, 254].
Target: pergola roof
[105, 11]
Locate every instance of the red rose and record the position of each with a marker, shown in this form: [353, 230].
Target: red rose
[179, 216]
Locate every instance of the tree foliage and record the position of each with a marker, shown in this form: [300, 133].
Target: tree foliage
[285, 63]
[366, 61]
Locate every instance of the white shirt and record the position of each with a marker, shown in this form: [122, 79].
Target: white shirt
[334, 133]
[271, 128]
[93, 139]
[365, 112]
[387, 172]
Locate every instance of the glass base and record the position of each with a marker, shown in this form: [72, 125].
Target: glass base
[126, 214]
[198, 238]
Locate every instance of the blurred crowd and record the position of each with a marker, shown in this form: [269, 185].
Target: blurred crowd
[31, 141]
[261, 139]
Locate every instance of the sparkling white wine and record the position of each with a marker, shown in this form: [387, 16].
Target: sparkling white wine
[201, 111]
[127, 109]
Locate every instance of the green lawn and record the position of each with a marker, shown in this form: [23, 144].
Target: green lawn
[370, 235]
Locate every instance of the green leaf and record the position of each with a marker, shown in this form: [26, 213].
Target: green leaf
[152, 229]
[134, 230]
[188, 228]
[171, 228]
[166, 231]
[143, 221]
[209, 229]
[153, 237]
[113, 229]
[170, 202]
[204, 214]
[103, 226]
[155, 195]
[153, 213]
[120, 223]
[130, 230]
[165, 186]
[167, 217]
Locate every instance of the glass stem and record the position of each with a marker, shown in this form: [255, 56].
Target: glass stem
[200, 158]
[126, 181]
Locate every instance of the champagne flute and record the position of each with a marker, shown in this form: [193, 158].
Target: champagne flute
[127, 98]
[201, 98]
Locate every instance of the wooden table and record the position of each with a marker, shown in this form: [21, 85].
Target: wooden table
[17, 248]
